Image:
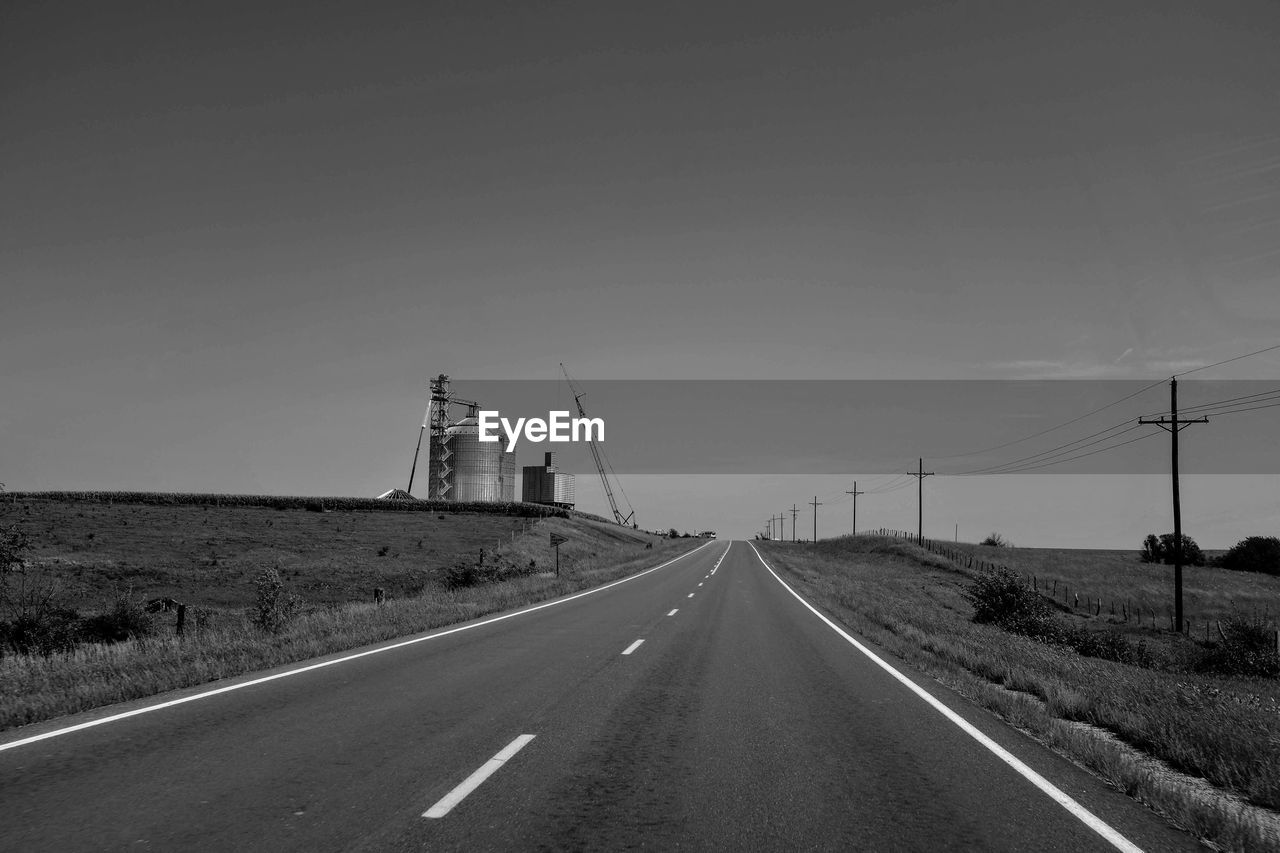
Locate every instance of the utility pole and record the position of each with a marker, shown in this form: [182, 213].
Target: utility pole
[855, 494]
[794, 513]
[782, 524]
[1173, 426]
[768, 528]
[920, 475]
[815, 504]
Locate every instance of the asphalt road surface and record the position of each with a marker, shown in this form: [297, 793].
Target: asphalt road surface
[743, 721]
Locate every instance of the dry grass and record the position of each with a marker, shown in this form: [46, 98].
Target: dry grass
[209, 555]
[1226, 730]
[221, 641]
[1118, 576]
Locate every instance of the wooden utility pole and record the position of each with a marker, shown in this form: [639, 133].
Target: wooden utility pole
[768, 528]
[815, 503]
[920, 475]
[794, 513]
[1173, 426]
[855, 494]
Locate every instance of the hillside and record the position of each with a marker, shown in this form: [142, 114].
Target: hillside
[209, 554]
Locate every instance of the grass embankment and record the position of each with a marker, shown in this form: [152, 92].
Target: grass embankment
[1223, 729]
[208, 555]
[221, 642]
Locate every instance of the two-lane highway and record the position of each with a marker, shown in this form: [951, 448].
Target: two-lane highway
[700, 705]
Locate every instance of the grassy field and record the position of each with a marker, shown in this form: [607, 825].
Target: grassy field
[1107, 715]
[330, 559]
[1120, 576]
[209, 555]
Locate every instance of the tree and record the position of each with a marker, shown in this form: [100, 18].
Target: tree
[995, 540]
[1160, 550]
[1253, 554]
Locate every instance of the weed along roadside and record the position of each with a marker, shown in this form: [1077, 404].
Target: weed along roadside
[264, 616]
[1159, 719]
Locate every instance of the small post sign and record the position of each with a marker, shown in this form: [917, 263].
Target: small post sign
[556, 539]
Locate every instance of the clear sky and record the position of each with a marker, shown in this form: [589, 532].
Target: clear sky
[236, 238]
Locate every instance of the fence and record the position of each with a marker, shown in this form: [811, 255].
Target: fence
[1127, 610]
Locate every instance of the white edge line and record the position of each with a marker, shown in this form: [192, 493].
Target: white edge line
[631, 648]
[674, 612]
[476, 779]
[308, 668]
[1055, 793]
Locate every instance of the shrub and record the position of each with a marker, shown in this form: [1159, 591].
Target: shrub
[1245, 648]
[1160, 550]
[275, 607]
[1253, 554]
[127, 617]
[37, 619]
[468, 574]
[995, 540]
[1001, 598]
[53, 630]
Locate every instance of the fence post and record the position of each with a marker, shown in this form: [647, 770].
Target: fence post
[182, 619]
[379, 595]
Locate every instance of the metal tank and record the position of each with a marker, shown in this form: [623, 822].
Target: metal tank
[467, 469]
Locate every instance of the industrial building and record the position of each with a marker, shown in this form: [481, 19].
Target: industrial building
[460, 467]
[543, 484]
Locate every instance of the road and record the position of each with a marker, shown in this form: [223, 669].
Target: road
[741, 722]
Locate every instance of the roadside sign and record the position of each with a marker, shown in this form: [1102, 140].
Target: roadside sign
[556, 539]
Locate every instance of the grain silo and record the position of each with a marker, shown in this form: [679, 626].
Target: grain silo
[460, 466]
[478, 470]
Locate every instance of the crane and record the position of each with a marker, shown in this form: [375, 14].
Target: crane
[596, 455]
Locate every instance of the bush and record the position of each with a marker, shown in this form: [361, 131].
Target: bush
[1001, 598]
[468, 574]
[36, 618]
[1160, 550]
[127, 617]
[995, 540]
[1245, 648]
[275, 607]
[50, 631]
[1254, 554]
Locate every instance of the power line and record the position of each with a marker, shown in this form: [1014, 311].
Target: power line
[1238, 411]
[1261, 396]
[1080, 456]
[1222, 402]
[1054, 428]
[1228, 360]
[1068, 447]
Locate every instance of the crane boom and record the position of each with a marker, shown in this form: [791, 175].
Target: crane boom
[595, 454]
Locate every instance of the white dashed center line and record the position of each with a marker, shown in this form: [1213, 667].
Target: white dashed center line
[475, 780]
[674, 612]
[631, 648]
